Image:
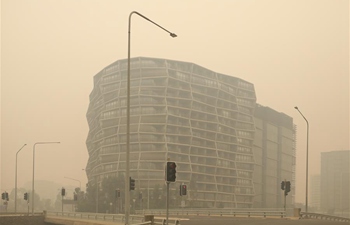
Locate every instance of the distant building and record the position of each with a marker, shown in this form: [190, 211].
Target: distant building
[202, 120]
[198, 118]
[315, 191]
[274, 153]
[335, 198]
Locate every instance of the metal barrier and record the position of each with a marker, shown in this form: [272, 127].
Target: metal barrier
[134, 219]
[305, 215]
[218, 212]
[21, 214]
[160, 222]
[96, 216]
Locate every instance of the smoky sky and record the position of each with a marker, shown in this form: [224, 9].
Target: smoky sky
[296, 53]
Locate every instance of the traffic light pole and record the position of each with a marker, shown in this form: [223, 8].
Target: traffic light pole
[285, 196]
[63, 193]
[62, 205]
[117, 201]
[167, 202]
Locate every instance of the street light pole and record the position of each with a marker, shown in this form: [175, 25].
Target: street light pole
[16, 178]
[37, 143]
[307, 160]
[127, 169]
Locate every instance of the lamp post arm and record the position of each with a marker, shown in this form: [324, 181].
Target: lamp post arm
[20, 149]
[75, 180]
[171, 34]
[37, 143]
[307, 122]
[307, 160]
[16, 178]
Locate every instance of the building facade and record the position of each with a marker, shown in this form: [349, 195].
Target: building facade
[274, 153]
[315, 191]
[335, 198]
[202, 120]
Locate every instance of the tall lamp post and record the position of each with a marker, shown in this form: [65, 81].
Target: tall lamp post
[127, 172]
[16, 178]
[37, 143]
[307, 160]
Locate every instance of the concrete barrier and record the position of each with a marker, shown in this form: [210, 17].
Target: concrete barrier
[297, 212]
[73, 221]
[149, 218]
[22, 220]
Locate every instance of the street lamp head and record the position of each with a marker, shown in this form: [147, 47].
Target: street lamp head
[296, 107]
[173, 35]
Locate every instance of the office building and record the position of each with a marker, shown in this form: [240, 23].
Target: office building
[198, 118]
[202, 120]
[274, 153]
[315, 192]
[335, 198]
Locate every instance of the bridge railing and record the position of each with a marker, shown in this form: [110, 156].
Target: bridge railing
[133, 219]
[160, 221]
[22, 213]
[95, 216]
[323, 217]
[217, 212]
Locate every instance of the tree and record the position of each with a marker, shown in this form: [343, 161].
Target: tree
[47, 204]
[58, 202]
[87, 201]
[106, 195]
[22, 205]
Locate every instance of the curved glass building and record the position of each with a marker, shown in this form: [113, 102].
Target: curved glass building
[179, 111]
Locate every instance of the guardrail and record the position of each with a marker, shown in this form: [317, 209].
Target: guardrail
[95, 216]
[217, 212]
[134, 219]
[305, 215]
[159, 221]
[21, 214]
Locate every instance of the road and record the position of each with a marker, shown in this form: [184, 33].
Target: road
[254, 221]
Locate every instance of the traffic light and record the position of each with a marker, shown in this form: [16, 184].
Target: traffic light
[282, 185]
[63, 192]
[75, 197]
[183, 189]
[7, 196]
[170, 171]
[3, 196]
[132, 184]
[117, 193]
[287, 187]
[25, 196]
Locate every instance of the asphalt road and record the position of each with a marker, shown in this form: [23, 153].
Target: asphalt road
[254, 221]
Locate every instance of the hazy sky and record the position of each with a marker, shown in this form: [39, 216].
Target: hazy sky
[295, 52]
